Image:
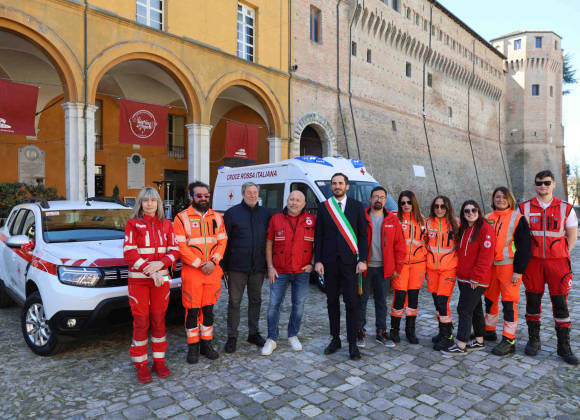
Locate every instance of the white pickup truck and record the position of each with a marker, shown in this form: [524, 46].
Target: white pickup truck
[63, 262]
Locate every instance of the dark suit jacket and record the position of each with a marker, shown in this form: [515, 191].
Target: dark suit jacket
[329, 244]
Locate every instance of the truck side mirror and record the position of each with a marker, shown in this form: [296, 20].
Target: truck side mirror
[18, 241]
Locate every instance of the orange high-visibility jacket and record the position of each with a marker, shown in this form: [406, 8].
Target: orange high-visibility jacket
[504, 223]
[201, 238]
[440, 242]
[414, 238]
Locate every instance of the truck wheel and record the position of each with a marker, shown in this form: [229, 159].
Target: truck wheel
[5, 299]
[37, 333]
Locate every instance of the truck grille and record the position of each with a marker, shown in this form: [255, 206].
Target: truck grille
[119, 276]
[115, 276]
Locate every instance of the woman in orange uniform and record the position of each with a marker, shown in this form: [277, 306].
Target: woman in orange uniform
[440, 231]
[512, 254]
[406, 286]
[149, 249]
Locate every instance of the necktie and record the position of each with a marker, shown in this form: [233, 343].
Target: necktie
[340, 205]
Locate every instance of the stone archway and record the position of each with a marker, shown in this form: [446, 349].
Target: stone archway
[323, 129]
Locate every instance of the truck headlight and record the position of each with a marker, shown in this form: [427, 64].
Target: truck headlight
[80, 276]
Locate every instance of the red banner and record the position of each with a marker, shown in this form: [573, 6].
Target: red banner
[141, 123]
[17, 108]
[241, 141]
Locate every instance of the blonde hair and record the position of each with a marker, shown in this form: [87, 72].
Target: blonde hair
[145, 193]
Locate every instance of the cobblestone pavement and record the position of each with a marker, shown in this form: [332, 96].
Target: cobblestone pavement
[93, 377]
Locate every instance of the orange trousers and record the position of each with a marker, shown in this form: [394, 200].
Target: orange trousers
[501, 283]
[410, 279]
[440, 284]
[199, 291]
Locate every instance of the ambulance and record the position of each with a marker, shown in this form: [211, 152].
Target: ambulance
[309, 174]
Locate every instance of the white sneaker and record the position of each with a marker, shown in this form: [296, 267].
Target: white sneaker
[269, 347]
[295, 343]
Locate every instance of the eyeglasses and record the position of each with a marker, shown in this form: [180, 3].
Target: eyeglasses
[471, 210]
[440, 206]
[200, 195]
[546, 183]
[379, 198]
[406, 203]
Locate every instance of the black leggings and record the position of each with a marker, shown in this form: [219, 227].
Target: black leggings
[470, 311]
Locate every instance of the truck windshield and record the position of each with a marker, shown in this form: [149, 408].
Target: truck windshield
[84, 225]
[359, 190]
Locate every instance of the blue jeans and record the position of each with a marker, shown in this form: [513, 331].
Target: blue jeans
[300, 284]
[380, 284]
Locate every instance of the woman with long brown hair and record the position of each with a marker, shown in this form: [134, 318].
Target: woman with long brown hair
[475, 251]
[440, 231]
[406, 286]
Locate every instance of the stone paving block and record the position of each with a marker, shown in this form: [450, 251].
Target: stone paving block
[405, 402]
[315, 398]
[450, 409]
[287, 413]
[344, 412]
[380, 404]
[500, 397]
[311, 411]
[274, 404]
[190, 403]
[135, 412]
[401, 412]
[159, 403]
[170, 410]
[427, 399]
[251, 410]
[425, 410]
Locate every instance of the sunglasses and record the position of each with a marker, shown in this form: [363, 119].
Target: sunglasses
[546, 183]
[440, 206]
[200, 195]
[406, 203]
[467, 211]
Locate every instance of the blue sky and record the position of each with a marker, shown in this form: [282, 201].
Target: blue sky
[493, 18]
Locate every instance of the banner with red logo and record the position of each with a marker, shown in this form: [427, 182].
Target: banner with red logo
[17, 108]
[141, 123]
[241, 141]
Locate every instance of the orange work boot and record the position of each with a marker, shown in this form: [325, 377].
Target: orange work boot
[160, 369]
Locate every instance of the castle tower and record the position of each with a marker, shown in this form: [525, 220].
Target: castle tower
[534, 135]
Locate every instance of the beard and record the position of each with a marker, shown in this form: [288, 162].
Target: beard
[201, 206]
[377, 206]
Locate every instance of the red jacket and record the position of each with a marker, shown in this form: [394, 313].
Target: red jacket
[148, 240]
[293, 241]
[392, 241]
[474, 259]
[547, 227]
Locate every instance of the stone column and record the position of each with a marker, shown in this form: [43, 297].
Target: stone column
[75, 149]
[198, 152]
[275, 149]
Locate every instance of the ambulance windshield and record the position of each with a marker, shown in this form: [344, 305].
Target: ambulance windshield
[359, 190]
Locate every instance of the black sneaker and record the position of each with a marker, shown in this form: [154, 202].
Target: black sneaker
[256, 339]
[472, 345]
[230, 346]
[453, 351]
[383, 338]
[360, 338]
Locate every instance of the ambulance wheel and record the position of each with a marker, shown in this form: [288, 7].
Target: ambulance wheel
[35, 329]
[5, 299]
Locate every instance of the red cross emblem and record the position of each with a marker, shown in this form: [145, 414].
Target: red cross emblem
[362, 171]
[231, 196]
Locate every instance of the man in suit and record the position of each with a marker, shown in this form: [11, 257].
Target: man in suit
[340, 253]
